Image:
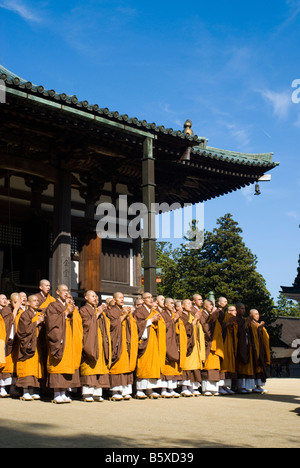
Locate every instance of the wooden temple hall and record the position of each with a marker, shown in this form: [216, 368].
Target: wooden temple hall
[61, 157]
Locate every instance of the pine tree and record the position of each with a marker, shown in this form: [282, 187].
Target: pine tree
[286, 307]
[224, 265]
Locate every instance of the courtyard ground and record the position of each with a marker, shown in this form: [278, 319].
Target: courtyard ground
[249, 421]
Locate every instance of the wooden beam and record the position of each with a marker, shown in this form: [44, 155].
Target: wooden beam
[27, 166]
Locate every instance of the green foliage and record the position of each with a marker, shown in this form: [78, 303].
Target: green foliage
[224, 265]
[286, 307]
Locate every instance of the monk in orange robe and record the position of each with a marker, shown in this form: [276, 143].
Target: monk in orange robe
[197, 304]
[43, 295]
[176, 347]
[211, 374]
[2, 342]
[230, 339]
[3, 301]
[151, 350]
[30, 371]
[195, 357]
[64, 337]
[96, 357]
[259, 352]
[10, 315]
[124, 341]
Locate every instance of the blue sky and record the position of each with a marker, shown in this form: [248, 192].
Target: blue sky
[227, 66]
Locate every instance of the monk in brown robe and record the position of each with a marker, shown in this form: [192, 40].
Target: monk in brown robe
[43, 295]
[230, 340]
[2, 342]
[211, 374]
[151, 350]
[30, 371]
[259, 352]
[176, 344]
[3, 301]
[197, 303]
[244, 381]
[96, 357]
[10, 315]
[64, 337]
[124, 342]
[195, 357]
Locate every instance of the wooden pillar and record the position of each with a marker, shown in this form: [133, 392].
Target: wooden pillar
[148, 186]
[89, 264]
[61, 259]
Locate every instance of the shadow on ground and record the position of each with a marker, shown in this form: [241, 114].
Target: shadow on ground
[37, 436]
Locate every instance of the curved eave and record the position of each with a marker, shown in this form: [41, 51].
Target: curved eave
[264, 160]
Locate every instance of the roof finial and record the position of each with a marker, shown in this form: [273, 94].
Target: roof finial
[188, 127]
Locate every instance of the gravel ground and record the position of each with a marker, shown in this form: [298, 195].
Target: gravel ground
[248, 421]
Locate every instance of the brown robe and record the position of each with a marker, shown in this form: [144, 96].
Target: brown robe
[44, 301]
[152, 350]
[243, 348]
[61, 366]
[124, 343]
[29, 366]
[172, 349]
[91, 352]
[9, 369]
[209, 324]
[195, 310]
[191, 375]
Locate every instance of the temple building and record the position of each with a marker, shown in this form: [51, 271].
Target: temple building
[293, 292]
[61, 158]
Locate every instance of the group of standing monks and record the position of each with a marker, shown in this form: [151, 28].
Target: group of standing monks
[157, 349]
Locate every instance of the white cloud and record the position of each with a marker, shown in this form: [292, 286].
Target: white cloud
[239, 134]
[280, 101]
[21, 9]
[293, 214]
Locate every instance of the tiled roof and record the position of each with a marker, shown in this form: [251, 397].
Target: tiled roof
[263, 159]
[199, 146]
[11, 79]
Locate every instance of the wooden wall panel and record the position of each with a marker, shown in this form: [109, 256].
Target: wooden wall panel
[90, 265]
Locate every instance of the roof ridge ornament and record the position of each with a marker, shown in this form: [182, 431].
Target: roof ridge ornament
[188, 127]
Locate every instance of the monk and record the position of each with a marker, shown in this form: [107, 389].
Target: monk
[195, 357]
[151, 349]
[44, 296]
[78, 336]
[159, 304]
[124, 342]
[10, 315]
[30, 370]
[176, 345]
[211, 374]
[244, 382]
[229, 333]
[260, 351]
[96, 357]
[138, 303]
[64, 337]
[197, 303]
[3, 301]
[23, 297]
[2, 342]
